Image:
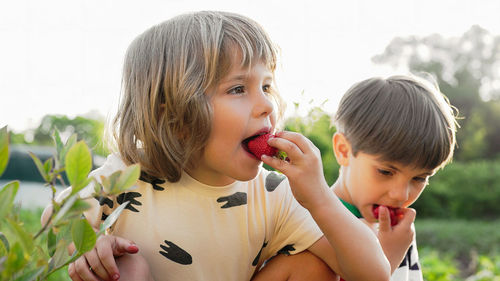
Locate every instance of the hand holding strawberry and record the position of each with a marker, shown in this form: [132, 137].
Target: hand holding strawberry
[394, 213]
[395, 232]
[258, 146]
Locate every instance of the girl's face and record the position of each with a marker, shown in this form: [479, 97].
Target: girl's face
[242, 108]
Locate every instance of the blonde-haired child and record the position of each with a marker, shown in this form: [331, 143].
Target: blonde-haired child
[196, 88]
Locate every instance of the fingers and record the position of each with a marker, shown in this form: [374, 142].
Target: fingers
[72, 273]
[121, 246]
[81, 270]
[407, 216]
[101, 259]
[94, 261]
[303, 144]
[384, 219]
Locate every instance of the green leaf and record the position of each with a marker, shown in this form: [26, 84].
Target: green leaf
[65, 208]
[48, 165]
[16, 259]
[69, 143]
[110, 220]
[39, 166]
[83, 236]
[128, 177]
[4, 245]
[57, 141]
[7, 195]
[76, 188]
[60, 255]
[51, 242]
[78, 163]
[31, 275]
[4, 149]
[22, 235]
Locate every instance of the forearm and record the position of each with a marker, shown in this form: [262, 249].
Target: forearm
[354, 245]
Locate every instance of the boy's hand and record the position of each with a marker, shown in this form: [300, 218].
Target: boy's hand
[396, 240]
[99, 263]
[304, 168]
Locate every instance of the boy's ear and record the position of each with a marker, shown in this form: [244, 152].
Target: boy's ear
[341, 148]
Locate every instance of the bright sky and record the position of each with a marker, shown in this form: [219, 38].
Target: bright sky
[65, 57]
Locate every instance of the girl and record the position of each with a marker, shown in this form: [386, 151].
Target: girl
[196, 88]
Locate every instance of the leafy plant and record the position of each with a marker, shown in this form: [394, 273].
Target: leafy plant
[21, 257]
[437, 267]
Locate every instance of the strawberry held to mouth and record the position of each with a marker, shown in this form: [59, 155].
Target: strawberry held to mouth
[393, 213]
[258, 146]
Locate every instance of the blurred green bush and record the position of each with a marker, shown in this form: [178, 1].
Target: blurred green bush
[468, 190]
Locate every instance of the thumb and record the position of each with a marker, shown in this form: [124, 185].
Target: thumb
[384, 219]
[121, 246]
[409, 215]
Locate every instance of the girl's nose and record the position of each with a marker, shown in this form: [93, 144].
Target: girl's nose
[263, 105]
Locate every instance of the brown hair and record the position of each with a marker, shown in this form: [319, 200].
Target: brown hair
[164, 118]
[404, 119]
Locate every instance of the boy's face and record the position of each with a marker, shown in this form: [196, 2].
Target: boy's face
[366, 181]
[242, 108]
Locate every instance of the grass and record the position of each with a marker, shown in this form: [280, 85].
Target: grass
[459, 243]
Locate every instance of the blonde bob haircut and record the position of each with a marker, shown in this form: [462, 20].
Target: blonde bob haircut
[403, 119]
[164, 118]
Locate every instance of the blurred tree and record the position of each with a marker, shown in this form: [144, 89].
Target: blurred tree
[467, 70]
[317, 127]
[89, 129]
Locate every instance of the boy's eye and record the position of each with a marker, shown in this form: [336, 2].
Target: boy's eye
[237, 90]
[384, 172]
[420, 179]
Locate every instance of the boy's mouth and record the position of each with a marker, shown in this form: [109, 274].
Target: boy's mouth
[394, 213]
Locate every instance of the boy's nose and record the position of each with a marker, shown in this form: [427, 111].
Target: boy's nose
[400, 192]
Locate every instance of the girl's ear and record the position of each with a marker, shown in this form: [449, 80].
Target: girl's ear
[341, 148]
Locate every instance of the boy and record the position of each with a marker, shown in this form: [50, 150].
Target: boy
[392, 135]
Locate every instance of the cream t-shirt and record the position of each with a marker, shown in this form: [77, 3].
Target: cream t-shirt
[191, 231]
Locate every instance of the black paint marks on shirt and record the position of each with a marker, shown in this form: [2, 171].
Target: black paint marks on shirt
[131, 197]
[175, 253]
[273, 179]
[256, 260]
[287, 249]
[155, 182]
[408, 260]
[236, 199]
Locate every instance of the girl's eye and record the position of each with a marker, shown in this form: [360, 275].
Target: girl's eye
[384, 172]
[237, 90]
[266, 88]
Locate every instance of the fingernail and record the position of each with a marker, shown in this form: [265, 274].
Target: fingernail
[116, 276]
[132, 248]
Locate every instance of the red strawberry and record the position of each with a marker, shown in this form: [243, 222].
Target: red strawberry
[393, 213]
[258, 146]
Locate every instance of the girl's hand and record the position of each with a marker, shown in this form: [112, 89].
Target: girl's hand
[304, 168]
[99, 263]
[396, 240]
